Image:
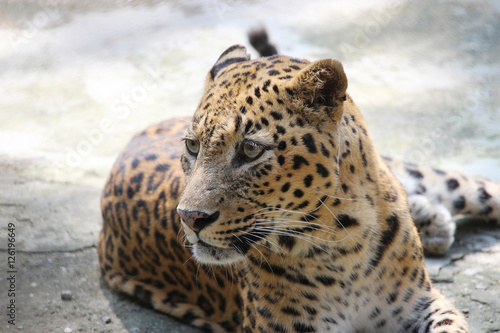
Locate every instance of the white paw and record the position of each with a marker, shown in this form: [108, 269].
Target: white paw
[420, 208]
[434, 223]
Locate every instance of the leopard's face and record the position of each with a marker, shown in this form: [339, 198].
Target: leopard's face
[257, 166]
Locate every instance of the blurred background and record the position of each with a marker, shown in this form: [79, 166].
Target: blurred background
[79, 78]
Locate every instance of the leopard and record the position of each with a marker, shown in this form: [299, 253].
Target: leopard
[276, 214]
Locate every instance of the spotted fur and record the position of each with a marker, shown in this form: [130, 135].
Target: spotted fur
[294, 221]
[438, 198]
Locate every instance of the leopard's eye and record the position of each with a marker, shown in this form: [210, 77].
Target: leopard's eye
[193, 146]
[252, 151]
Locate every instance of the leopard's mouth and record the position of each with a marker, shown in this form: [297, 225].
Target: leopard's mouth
[210, 254]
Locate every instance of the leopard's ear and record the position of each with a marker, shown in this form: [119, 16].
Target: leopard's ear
[235, 53]
[321, 85]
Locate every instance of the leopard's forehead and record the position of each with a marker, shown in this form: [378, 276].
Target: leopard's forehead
[246, 97]
[275, 68]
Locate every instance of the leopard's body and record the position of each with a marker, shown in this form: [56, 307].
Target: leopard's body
[295, 222]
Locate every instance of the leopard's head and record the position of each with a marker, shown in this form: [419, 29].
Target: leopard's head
[260, 156]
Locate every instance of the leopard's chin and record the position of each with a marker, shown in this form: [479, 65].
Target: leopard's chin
[209, 254]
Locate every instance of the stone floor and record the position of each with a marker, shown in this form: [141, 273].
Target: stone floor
[77, 80]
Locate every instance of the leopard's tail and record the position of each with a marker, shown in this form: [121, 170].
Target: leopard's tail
[460, 194]
[260, 41]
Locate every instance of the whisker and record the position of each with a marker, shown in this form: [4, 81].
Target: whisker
[277, 222]
[267, 262]
[340, 198]
[197, 272]
[331, 232]
[267, 240]
[212, 269]
[286, 232]
[188, 260]
[226, 268]
[238, 249]
[319, 238]
[279, 210]
[179, 232]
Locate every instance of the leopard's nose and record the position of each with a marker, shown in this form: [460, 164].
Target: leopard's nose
[197, 220]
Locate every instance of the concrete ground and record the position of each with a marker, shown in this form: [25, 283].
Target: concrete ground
[78, 79]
